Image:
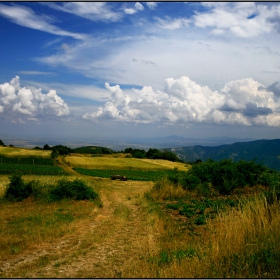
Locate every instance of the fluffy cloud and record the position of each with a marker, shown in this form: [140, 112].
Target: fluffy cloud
[275, 88]
[243, 102]
[30, 101]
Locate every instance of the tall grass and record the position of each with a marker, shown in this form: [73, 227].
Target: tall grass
[246, 242]
[164, 189]
[242, 242]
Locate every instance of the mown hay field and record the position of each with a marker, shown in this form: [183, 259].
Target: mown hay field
[20, 152]
[122, 163]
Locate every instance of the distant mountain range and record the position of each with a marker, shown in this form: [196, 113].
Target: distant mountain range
[263, 151]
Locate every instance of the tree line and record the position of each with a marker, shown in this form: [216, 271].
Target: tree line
[153, 154]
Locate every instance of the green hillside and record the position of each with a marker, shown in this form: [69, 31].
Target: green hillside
[93, 150]
[263, 151]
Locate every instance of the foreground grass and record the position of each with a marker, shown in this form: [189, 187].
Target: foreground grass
[31, 223]
[242, 242]
[133, 235]
[27, 225]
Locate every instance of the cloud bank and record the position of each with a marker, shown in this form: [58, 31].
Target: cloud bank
[242, 102]
[30, 101]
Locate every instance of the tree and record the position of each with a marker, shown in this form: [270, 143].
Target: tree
[47, 147]
[2, 143]
[37, 148]
[60, 150]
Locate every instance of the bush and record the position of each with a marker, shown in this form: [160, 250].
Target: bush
[227, 175]
[200, 220]
[17, 190]
[76, 189]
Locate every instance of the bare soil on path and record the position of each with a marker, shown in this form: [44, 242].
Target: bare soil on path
[119, 234]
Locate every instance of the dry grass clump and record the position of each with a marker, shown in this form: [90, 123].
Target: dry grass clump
[164, 189]
[4, 181]
[247, 238]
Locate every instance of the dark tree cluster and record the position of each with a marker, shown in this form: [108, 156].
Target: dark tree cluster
[152, 154]
[226, 175]
[60, 150]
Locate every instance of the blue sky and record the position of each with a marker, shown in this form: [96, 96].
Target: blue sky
[123, 69]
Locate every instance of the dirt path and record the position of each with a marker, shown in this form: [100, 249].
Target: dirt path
[120, 234]
[68, 169]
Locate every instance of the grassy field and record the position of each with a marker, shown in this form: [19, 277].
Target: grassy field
[105, 162]
[138, 175]
[144, 229]
[28, 224]
[31, 169]
[21, 152]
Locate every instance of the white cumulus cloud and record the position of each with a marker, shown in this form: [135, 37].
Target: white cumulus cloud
[30, 101]
[183, 101]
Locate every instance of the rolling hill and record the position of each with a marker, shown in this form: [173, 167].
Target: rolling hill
[263, 151]
[92, 150]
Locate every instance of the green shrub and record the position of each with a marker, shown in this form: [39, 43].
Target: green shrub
[173, 206]
[17, 190]
[191, 181]
[187, 210]
[200, 220]
[76, 189]
[203, 189]
[225, 176]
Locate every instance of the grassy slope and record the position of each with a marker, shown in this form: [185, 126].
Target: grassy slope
[21, 152]
[122, 163]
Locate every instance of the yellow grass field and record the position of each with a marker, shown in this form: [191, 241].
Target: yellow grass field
[122, 163]
[20, 152]
[168, 164]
